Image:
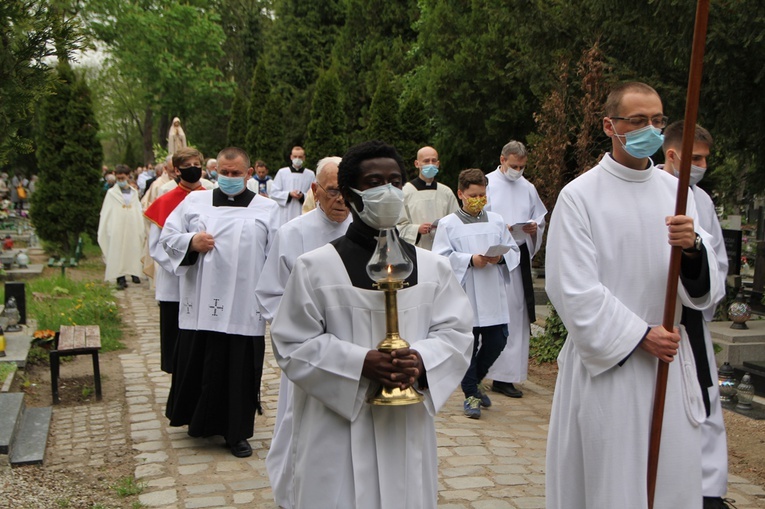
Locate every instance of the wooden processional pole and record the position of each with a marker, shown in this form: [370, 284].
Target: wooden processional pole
[689, 132]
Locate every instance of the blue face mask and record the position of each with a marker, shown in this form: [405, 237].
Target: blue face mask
[122, 184]
[643, 142]
[231, 186]
[429, 171]
[214, 174]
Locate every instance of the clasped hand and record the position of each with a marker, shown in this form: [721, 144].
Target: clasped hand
[397, 369]
[661, 343]
[681, 231]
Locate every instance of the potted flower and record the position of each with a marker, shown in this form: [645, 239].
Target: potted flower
[44, 338]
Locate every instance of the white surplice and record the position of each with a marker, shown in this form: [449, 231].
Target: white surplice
[606, 274]
[285, 182]
[121, 233]
[167, 284]
[714, 450]
[424, 206]
[346, 453]
[217, 292]
[485, 287]
[301, 235]
[517, 202]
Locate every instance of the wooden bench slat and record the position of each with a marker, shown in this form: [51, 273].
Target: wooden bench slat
[72, 337]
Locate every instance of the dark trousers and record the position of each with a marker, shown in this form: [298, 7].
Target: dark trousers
[488, 343]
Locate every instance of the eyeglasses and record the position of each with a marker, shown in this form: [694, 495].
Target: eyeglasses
[332, 193]
[659, 121]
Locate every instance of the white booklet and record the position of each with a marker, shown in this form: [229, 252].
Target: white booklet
[497, 250]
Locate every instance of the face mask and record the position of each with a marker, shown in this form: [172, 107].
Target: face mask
[512, 175]
[641, 143]
[231, 186]
[429, 171]
[382, 206]
[214, 174]
[122, 183]
[474, 205]
[297, 162]
[697, 173]
[191, 174]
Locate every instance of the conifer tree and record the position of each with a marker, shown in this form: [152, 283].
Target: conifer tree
[326, 130]
[414, 123]
[383, 113]
[261, 88]
[67, 199]
[237, 124]
[270, 139]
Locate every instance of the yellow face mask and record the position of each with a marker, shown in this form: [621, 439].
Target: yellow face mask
[474, 205]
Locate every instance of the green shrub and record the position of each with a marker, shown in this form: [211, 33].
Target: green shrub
[546, 346]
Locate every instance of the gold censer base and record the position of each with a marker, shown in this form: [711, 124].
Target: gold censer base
[387, 396]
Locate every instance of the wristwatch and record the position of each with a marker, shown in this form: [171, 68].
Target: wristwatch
[696, 245]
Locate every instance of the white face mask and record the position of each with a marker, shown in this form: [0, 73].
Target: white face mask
[511, 174]
[697, 173]
[297, 162]
[382, 206]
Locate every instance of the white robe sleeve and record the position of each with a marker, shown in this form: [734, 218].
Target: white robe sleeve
[408, 230]
[279, 192]
[156, 251]
[586, 306]
[276, 273]
[447, 349]
[176, 239]
[443, 245]
[324, 366]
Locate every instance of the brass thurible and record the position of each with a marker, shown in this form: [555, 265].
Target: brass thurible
[387, 396]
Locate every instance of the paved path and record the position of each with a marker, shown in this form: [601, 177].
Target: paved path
[494, 463]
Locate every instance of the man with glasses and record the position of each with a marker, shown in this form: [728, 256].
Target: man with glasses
[516, 200]
[328, 221]
[608, 252]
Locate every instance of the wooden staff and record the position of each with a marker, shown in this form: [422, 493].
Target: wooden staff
[689, 133]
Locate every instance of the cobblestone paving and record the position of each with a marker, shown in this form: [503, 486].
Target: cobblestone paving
[496, 462]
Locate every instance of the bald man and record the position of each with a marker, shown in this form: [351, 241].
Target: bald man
[425, 201]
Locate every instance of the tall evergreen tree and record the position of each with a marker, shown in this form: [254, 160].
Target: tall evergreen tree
[298, 46]
[270, 141]
[259, 93]
[237, 124]
[68, 195]
[414, 123]
[377, 38]
[383, 113]
[326, 130]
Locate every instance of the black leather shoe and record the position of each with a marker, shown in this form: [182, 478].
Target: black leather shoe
[136, 280]
[121, 283]
[718, 503]
[507, 389]
[241, 449]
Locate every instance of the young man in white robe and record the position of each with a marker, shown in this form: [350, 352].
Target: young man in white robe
[606, 272]
[346, 453]
[217, 242]
[305, 233]
[290, 185]
[425, 201]
[516, 200]
[188, 160]
[714, 446]
[466, 237]
[121, 231]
